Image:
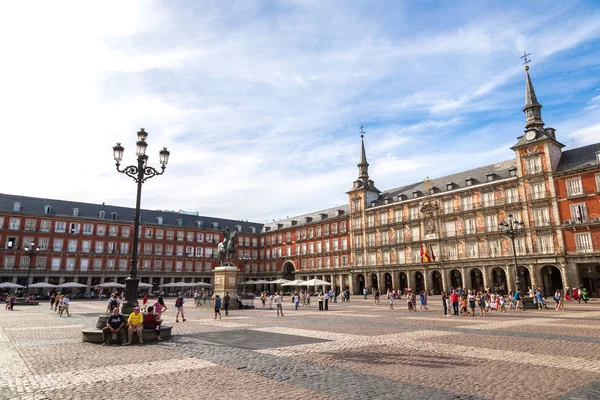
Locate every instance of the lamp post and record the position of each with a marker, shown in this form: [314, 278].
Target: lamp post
[31, 250]
[513, 229]
[245, 259]
[140, 173]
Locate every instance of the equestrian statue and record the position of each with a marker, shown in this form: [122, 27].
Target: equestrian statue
[226, 248]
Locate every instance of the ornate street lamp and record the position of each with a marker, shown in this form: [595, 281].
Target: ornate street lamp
[140, 174]
[31, 250]
[513, 229]
[245, 259]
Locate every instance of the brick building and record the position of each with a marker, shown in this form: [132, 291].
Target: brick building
[374, 241]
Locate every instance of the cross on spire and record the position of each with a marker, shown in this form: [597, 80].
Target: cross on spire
[526, 60]
[362, 131]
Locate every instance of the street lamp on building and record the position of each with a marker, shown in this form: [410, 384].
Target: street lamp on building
[245, 258]
[31, 250]
[140, 173]
[513, 229]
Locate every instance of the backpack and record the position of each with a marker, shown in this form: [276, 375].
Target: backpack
[178, 302]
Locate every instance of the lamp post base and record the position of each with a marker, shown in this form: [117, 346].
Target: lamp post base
[131, 300]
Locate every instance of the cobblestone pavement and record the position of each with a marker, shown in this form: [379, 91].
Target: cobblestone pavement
[355, 350]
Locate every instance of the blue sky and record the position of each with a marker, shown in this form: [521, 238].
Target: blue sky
[260, 103]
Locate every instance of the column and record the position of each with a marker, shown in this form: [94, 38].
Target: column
[445, 280]
[410, 279]
[426, 280]
[536, 276]
[466, 279]
[351, 283]
[510, 278]
[395, 280]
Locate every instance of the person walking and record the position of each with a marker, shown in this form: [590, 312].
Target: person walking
[217, 306]
[326, 301]
[454, 297]
[179, 306]
[160, 306]
[471, 300]
[390, 297]
[278, 304]
[296, 300]
[409, 301]
[518, 301]
[226, 300]
[444, 298]
[423, 300]
[52, 298]
[64, 307]
[308, 298]
[320, 300]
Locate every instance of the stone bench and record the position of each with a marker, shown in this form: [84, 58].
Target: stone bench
[94, 335]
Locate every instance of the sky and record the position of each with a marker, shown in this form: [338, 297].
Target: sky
[260, 102]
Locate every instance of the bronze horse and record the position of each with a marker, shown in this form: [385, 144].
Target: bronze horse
[226, 248]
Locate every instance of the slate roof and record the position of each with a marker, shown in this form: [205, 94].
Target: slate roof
[479, 175]
[580, 157]
[35, 205]
[316, 216]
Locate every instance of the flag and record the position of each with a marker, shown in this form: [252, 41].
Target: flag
[425, 254]
[431, 253]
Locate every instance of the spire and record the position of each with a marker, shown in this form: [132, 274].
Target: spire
[532, 109]
[363, 165]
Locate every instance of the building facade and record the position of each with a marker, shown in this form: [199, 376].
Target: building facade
[430, 235]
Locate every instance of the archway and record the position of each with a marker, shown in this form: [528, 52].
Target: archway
[288, 270]
[403, 279]
[551, 280]
[360, 284]
[374, 282]
[525, 278]
[388, 282]
[477, 279]
[419, 282]
[499, 280]
[455, 279]
[436, 282]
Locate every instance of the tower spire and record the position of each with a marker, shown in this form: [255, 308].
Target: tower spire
[532, 109]
[363, 165]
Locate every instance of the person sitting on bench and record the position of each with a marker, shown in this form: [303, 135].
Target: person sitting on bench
[153, 321]
[115, 326]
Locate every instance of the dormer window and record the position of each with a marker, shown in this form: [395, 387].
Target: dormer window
[76, 212]
[416, 194]
[159, 220]
[199, 224]
[252, 229]
[179, 222]
[238, 228]
[512, 172]
[598, 157]
[215, 225]
[113, 216]
[373, 203]
[323, 216]
[47, 209]
[101, 214]
[449, 186]
[386, 200]
[267, 228]
[16, 206]
[490, 177]
[469, 182]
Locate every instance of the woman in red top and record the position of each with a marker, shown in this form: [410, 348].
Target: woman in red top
[153, 321]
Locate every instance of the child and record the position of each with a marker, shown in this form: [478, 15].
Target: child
[463, 306]
[448, 307]
[297, 300]
[502, 304]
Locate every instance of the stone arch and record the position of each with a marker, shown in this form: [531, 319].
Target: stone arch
[455, 279]
[288, 269]
[499, 280]
[437, 284]
[477, 279]
[374, 281]
[419, 281]
[524, 278]
[551, 279]
[388, 284]
[403, 281]
[359, 286]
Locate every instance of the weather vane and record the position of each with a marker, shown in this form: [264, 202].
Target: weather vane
[362, 131]
[526, 60]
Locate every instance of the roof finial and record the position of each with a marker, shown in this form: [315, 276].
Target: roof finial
[526, 60]
[362, 131]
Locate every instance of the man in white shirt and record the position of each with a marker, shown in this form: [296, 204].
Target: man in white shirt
[326, 299]
[277, 299]
[64, 306]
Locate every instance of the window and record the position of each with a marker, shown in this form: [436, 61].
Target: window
[159, 220]
[146, 265]
[467, 203]
[472, 250]
[158, 249]
[169, 250]
[370, 221]
[326, 245]
[179, 250]
[123, 265]
[124, 248]
[70, 264]
[47, 209]
[334, 228]
[199, 251]
[450, 228]
[199, 237]
[86, 245]
[97, 264]
[583, 242]
[372, 257]
[574, 187]
[448, 206]
[170, 235]
[310, 234]
[451, 251]
[491, 223]
[30, 225]
[8, 262]
[178, 266]
[541, 217]
[126, 231]
[99, 247]
[40, 263]
[344, 243]
[72, 246]
[11, 243]
[168, 265]
[413, 212]
[74, 227]
[326, 229]
[189, 251]
[534, 165]
[545, 244]
[16, 206]
[579, 213]
[416, 254]
[148, 233]
[415, 233]
[43, 243]
[101, 214]
[470, 227]
[510, 195]
[334, 243]
[400, 235]
[385, 239]
[357, 243]
[101, 230]
[189, 236]
[488, 199]
[400, 256]
[60, 227]
[88, 229]
[180, 235]
[55, 264]
[383, 218]
[14, 224]
[355, 205]
[356, 223]
[597, 189]
[57, 245]
[398, 215]
[24, 264]
[148, 248]
[493, 248]
[386, 257]
[113, 216]
[537, 190]
[84, 264]
[45, 226]
[520, 246]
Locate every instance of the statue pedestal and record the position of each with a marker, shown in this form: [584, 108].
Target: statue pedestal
[226, 281]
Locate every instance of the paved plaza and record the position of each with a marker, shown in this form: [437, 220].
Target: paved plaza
[355, 350]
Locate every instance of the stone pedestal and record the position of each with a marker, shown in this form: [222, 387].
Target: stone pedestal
[226, 281]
